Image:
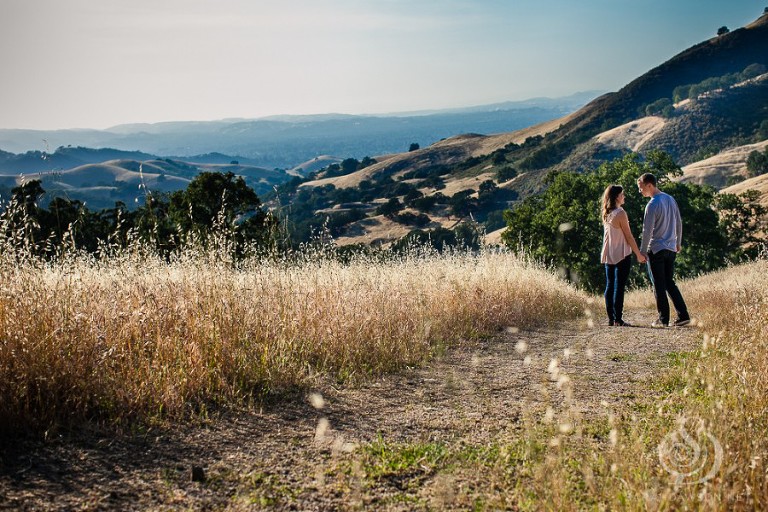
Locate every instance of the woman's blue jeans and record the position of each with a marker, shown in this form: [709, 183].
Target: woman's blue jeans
[616, 280]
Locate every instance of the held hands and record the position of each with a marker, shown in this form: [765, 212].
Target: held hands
[641, 258]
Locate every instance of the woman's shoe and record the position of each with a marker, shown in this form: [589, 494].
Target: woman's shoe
[622, 323]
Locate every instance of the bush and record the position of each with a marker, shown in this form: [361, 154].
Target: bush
[435, 182]
[499, 157]
[425, 203]
[390, 208]
[658, 107]
[412, 219]
[505, 174]
[462, 204]
[757, 163]
[412, 195]
[762, 131]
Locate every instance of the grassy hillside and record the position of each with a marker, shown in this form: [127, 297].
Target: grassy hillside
[62, 158]
[730, 53]
[727, 108]
[724, 169]
[715, 121]
[102, 184]
[759, 183]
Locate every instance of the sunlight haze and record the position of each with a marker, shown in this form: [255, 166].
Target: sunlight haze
[85, 64]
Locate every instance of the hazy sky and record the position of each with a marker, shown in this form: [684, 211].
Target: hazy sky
[98, 63]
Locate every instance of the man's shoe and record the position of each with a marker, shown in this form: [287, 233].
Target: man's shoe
[681, 322]
[622, 323]
[659, 323]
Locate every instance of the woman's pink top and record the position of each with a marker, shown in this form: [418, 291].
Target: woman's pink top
[615, 246]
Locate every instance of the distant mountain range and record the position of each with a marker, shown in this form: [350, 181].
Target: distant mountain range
[286, 141]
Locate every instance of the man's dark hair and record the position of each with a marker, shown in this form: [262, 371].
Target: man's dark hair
[648, 178]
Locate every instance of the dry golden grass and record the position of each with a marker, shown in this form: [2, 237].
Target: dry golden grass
[633, 135]
[759, 183]
[447, 151]
[696, 440]
[717, 169]
[727, 381]
[133, 336]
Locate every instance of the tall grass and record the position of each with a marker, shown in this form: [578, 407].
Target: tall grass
[134, 335]
[694, 440]
[727, 382]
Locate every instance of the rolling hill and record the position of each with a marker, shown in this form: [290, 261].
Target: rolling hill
[127, 180]
[712, 130]
[721, 169]
[759, 183]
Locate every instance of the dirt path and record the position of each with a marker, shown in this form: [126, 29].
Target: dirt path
[278, 457]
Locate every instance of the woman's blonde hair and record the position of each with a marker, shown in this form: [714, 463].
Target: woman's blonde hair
[609, 199]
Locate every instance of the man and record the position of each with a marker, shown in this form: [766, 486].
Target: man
[660, 243]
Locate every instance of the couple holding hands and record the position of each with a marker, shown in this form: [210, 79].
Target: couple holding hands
[659, 245]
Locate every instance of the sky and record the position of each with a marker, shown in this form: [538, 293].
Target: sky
[100, 63]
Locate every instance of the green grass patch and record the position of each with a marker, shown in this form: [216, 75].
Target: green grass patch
[402, 461]
[678, 359]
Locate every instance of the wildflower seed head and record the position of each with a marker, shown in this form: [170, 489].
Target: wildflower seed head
[322, 429]
[554, 363]
[317, 400]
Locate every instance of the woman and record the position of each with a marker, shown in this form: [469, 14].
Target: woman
[618, 246]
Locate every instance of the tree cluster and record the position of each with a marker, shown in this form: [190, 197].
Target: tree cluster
[718, 82]
[213, 203]
[757, 163]
[563, 228]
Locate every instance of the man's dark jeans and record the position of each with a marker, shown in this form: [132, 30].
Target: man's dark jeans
[615, 282]
[661, 266]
